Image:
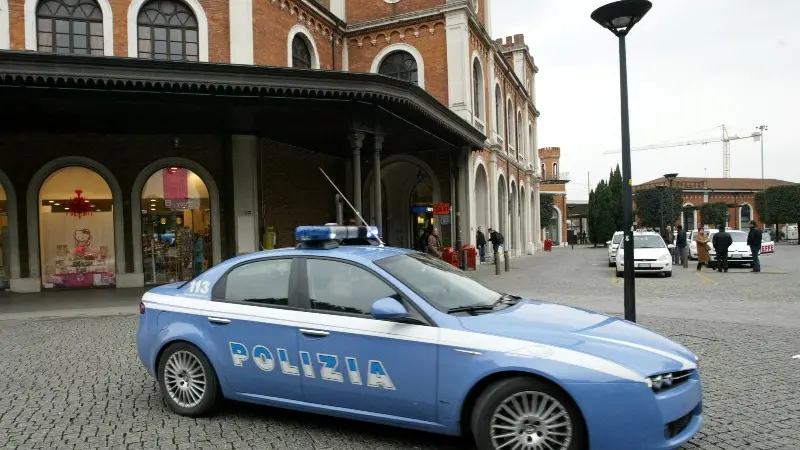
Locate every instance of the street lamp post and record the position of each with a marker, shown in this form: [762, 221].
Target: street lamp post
[620, 17]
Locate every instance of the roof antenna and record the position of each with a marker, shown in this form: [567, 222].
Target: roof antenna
[348, 203]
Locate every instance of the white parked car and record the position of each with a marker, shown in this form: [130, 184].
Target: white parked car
[767, 245]
[650, 255]
[739, 253]
[612, 245]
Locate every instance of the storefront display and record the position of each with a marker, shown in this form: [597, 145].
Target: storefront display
[176, 226]
[76, 227]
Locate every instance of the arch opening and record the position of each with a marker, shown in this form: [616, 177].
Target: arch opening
[176, 239]
[408, 193]
[502, 206]
[76, 229]
[5, 240]
[482, 213]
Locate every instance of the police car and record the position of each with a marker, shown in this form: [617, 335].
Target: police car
[344, 326]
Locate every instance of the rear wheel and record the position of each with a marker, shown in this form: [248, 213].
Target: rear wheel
[187, 380]
[526, 413]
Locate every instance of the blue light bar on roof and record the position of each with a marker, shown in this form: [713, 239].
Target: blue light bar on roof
[334, 233]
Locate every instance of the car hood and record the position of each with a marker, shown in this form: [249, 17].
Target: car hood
[585, 331]
[736, 247]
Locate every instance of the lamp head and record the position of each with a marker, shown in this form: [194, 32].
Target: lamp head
[619, 17]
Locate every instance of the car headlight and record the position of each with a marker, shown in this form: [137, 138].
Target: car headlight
[664, 258]
[667, 380]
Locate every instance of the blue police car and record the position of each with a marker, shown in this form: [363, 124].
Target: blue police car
[342, 325]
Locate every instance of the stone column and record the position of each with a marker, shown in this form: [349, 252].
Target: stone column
[377, 181]
[356, 140]
[245, 152]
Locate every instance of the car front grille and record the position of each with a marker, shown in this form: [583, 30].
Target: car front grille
[644, 260]
[676, 427]
[665, 381]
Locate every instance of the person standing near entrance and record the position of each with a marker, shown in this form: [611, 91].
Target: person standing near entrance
[434, 243]
[702, 248]
[754, 242]
[199, 256]
[480, 240]
[680, 247]
[721, 242]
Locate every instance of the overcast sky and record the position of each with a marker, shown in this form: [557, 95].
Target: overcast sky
[692, 66]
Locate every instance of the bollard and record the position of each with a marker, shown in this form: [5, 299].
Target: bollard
[496, 262]
[505, 257]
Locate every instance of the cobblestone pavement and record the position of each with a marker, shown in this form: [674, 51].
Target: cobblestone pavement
[77, 383]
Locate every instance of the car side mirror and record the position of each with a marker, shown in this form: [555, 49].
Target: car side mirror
[608, 243]
[388, 309]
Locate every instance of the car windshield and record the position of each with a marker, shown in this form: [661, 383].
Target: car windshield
[648, 241]
[616, 239]
[441, 284]
[738, 236]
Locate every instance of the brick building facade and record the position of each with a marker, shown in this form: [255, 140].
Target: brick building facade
[459, 127]
[733, 191]
[554, 181]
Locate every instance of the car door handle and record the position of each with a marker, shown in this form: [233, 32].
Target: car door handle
[219, 320]
[317, 333]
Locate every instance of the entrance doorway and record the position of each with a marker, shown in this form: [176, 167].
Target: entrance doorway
[176, 226]
[76, 230]
[409, 193]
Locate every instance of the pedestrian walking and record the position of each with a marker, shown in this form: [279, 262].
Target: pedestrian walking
[721, 242]
[680, 247]
[497, 240]
[480, 240]
[701, 238]
[754, 242]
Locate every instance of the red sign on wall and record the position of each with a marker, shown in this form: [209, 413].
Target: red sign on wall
[441, 209]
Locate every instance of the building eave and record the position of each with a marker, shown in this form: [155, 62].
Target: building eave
[131, 74]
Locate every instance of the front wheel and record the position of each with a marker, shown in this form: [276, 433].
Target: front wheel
[668, 274]
[525, 413]
[187, 380]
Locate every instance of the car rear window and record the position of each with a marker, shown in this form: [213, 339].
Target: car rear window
[616, 239]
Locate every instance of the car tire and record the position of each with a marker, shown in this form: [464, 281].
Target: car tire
[185, 394]
[503, 393]
[668, 274]
[611, 264]
[620, 274]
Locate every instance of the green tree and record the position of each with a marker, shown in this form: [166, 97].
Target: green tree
[605, 225]
[653, 206]
[591, 219]
[779, 205]
[546, 209]
[615, 185]
[714, 214]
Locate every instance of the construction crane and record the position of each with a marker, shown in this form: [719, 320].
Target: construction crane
[726, 147]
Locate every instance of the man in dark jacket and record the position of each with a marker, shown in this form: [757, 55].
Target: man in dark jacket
[496, 239]
[721, 242]
[480, 241]
[754, 242]
[680, 247]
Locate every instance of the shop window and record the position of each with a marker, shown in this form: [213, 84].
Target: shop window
[340, 287]
[167, 30]
[5, 241]
[301, 54]
[76, 229]
[401, 65]
[176, 226]
[69, 26]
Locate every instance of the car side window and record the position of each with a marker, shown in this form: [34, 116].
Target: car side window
[264, 282]
[340, 287]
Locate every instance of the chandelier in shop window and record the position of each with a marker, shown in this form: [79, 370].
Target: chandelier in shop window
[79, 205]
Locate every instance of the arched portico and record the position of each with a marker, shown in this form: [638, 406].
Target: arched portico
[408, 188]
[502, 206]
[136, 208]
[482, 213]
